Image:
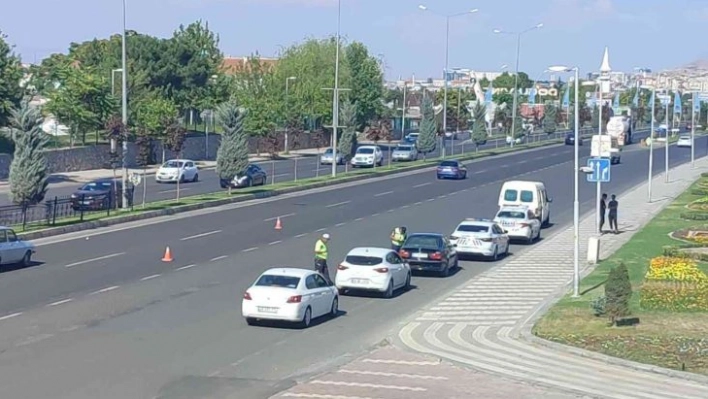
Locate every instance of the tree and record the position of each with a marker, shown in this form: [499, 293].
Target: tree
[115, 132]
[457, 112]
[10, 76]
[550, 118]
[152, 115]
[366, 83]
[232, 156]
[428, 128]
[479, 129]
[346, 146]
[256, 91]
[618, 293]
[29, 169]
[174, 140]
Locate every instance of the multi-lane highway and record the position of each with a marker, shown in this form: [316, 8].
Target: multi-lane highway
[104, 317]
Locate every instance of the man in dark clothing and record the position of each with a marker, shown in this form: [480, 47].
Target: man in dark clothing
[603, 210]
[612, 214]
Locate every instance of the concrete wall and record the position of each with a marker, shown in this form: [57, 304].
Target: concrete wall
[197, 147]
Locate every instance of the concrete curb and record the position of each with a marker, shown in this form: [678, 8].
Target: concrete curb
[94, 224]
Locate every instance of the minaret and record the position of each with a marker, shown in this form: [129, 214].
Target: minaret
[605, 70]
[605, 67]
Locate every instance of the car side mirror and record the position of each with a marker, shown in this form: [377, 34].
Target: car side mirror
[550, 199]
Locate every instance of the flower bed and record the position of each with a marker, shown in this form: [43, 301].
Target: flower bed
[674, 284]
[699, 205]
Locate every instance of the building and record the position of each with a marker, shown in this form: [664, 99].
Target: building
[232, 65]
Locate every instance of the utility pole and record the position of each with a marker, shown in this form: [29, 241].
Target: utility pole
[124, 102]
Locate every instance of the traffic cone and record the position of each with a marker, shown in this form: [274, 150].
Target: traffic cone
[278, 224]
[168, 255]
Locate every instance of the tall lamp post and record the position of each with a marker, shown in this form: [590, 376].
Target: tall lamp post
[576, 177]
[447, 60]
[516, 70]
[124, 104]
[335, 99]
[652, 103]
[287, 89]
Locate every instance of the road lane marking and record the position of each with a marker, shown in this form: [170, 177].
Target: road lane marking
[338, 204]
[287, 215]
[250, 249]
[421, 185]
[275, 242]
[339, 224]
[418, 203]
[200, 235]
[358, 219]
[385, 374]
[375, 214]
[218, 258]
[107, 289]
[522, 161]
[368, 385]
[63, 301]
[390, 211]
[174, 190]
[320, 396]
[480, 171]
[322, 229]
[10, 316]
[401, 362]
[185, 267]
[83, 262]
[405, 206]
[430, 200]
[150, 277]
[301, 235]
[384, 193]
[442, 196]
[282, 174]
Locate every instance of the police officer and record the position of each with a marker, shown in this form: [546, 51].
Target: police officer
[398, 237]
[321, 254]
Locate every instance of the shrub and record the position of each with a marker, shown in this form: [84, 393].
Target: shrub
[669, 268]
[598, 306]
[700, 191]
[618, 292]
[704, 174]
[694, 215]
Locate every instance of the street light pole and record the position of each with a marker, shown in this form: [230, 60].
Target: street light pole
[651, 145]
[287, 87]
[598, 190]
[335, 100]
[113, 80]
[403, 115]
[693, 130]
[124, 103]
[666, 149]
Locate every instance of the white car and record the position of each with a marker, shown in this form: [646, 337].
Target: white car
[14, 250]
[373, 269]
[519, 222]
[480, 237]
[684, 141]
[368, 155]
[175, 170]
[291, 295]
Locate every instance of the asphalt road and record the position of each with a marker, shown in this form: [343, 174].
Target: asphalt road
[126, 325]
[278, 171]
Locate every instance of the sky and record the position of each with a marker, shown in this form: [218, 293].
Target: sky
[410, 41]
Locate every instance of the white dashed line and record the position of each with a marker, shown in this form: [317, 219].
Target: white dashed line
[63, 301]
[442, 196]
[522, 161]
[250, 249]
[287, 215]
[358, 219]
[390, 211]
[150, 277]
[480, 171]
[301, 235]
[214, 374]
[374, 214]
[384, 193]
[10, 316]
[275, 242]
[83, 262]
[184, 267]
[322, 229]
[418, 203]
[201, 235]
[115, 287]
[430, 200]
[421, 185]
[218, 258]
[337, 204]
[339, 224]
[405, 206]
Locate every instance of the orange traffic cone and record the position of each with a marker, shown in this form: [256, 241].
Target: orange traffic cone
[168, 255]
[278, 224]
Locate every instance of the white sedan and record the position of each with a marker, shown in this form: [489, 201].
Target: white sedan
[291, 295]
[177, 170]
[519, 222]
[684, 141]
[373, 269]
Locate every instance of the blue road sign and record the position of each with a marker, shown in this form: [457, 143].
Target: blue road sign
[600, 170]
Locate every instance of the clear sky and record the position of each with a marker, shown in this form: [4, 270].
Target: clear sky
[639, 33]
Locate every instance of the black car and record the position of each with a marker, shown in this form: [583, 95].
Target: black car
[429, 252]
[253, 176]
[100, 194]
[570, 139]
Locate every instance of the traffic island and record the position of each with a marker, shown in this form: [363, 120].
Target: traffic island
[667, 266]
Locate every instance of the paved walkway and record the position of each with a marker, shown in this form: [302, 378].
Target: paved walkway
[486, 324]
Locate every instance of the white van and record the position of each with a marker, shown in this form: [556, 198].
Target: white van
[529, 193]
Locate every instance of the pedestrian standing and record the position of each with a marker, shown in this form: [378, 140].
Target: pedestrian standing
[612, 214]
[321, 254]
[603, 210]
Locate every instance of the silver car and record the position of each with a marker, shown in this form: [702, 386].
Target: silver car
[404, 152]
[14, 250]
[684, 141]
[328, 157]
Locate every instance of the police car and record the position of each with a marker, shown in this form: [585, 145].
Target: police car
[481, 237]
[520, 222]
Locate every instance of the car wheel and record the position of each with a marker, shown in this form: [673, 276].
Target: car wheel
[182, 179]
[251, 321]
[388, 294]
[407, 286]
[307, 318]
[547, 222]
[464, 175]
[196, 178]
[446, 271]
[506, 251]
[439, 177]
[27, 259]
[495, 256]
[334, 310]
[538, 236]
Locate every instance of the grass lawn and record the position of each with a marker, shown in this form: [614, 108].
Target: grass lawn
[674, 340]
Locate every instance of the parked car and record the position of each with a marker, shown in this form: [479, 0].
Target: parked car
[684, 141]
[452, 169]
[373, 269]
[570, 139]
[254, 175]
[429, 252]
[328, 157]
[175, 170]
[520, 222]
[368, 155]
[404, 152]
[411, 138]
[13, 249]
[100, 194]
[480, 237]
[291, 295]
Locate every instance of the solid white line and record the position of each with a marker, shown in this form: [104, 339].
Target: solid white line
[200, 235]
[106, 290]
[276, 217]
[184, 267]
[150, 277]
[174, 190]
[339, 224]
[275, 242]
[337, 204]
[384, 193]
[95, 259]
[301, 235]
[10, 316]
[57, 303]
[250, 249]
[421, 185]
[218, 258]
[480, 171]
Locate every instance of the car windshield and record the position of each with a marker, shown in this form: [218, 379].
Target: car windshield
[365, 151]
[512, 215]
[269, 280]
[473, 228]
[97, 186]
[358, 260]
[421, 241]
[413, 135]
[328, 151]
[173, 164]
[449, 164]
[404, 148]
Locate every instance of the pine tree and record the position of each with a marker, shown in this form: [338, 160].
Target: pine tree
[479, 128]
[519, 130]
[618, 292]
[550, 117]
[29, 169]
[232, 156]
[428, 128]
[347, 142]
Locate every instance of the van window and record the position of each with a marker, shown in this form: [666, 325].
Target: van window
[510, 195]
[526, 196]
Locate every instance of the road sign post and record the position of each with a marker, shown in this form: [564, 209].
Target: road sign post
[600, 170]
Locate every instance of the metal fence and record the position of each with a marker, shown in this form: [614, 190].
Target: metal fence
[61, 209]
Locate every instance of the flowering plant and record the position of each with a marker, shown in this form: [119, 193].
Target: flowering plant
[670, 268]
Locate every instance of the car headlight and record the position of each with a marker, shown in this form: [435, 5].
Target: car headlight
[74, 196]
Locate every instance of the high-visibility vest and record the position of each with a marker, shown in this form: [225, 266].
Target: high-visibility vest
[320, 250]
[397, 238]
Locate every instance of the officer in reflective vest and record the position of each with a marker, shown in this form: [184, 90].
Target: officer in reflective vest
[398, 237]
[321, 254]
